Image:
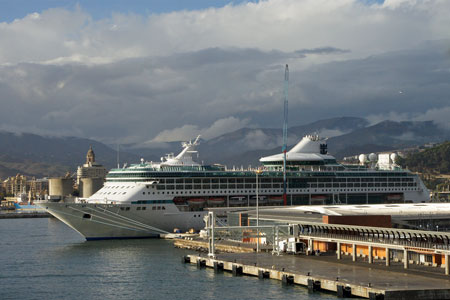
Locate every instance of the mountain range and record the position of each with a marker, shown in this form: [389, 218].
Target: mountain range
[35, 155]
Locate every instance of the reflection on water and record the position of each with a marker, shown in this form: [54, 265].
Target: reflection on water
[45, 259]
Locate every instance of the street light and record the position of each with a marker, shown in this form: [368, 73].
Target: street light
[258, 171]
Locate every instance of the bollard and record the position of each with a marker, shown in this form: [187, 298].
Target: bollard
[263, 274]
[201, 263]
[344, 291]
[185, 259]
[375, 296]
[313, 285]
[236, 270]
[287, 279]
[218, 267]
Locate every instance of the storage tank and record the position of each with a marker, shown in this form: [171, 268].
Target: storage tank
[60, 186]
[89, 186]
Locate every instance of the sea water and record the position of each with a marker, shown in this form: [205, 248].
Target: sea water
[45, 259]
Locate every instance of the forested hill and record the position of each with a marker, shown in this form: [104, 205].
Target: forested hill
[433, 160]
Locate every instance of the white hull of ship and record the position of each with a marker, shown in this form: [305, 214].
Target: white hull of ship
[106, 221]
[110, 221]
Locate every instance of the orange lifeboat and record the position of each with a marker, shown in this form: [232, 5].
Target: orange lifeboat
[179, 201]
[196, 201]
[215, 201]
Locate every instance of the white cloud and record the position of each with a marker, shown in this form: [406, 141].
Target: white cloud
[440, 116]
[329, 133]
[131, 77]
[392, 116]
[187, 132]
[59, 36]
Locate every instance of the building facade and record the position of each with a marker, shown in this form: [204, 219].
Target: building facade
[91, 169]
[91, 174]
[29, 188]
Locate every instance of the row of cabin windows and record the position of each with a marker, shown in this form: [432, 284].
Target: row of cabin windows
[144, 208]
[117, 187]
[111, 193]
[171, 176]
[279, 191]
[290, 184]
[230, 181]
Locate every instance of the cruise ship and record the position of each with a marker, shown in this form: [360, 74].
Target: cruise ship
[148, 199]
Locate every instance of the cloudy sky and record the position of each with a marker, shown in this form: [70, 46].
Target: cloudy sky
[155, 71]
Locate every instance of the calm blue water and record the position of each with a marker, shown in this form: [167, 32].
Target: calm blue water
[45, 259]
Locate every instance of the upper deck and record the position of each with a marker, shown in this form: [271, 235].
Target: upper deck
[146, 173]
[307, 159]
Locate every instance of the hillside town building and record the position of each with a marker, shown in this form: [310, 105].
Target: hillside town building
[26, 188]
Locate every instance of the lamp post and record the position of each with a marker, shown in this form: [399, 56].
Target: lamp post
[258, 171]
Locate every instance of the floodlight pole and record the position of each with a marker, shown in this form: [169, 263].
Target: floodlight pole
[258, 171]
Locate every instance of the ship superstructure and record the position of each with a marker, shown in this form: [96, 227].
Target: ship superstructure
[147, 199]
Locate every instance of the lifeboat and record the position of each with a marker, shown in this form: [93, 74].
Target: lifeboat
[318, 199]
[196, 201]
[215, 201]
[395, 197]
[262, 200]
[179, 201]
[276, 200]
[237, 201]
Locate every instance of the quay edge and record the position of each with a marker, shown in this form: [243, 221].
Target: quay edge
[317, 283]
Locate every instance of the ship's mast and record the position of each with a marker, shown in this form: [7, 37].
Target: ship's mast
[285, 122]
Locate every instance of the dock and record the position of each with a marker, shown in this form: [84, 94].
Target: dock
[220, 246]
[22, 215]
[345, 278]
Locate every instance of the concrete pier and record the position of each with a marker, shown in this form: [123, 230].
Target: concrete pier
[23, 215]
[222, 246]
[322, 273]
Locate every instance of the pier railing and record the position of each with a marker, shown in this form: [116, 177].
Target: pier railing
[393, 236]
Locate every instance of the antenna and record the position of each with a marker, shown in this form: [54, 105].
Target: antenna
[285, 128]
[118, 156]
